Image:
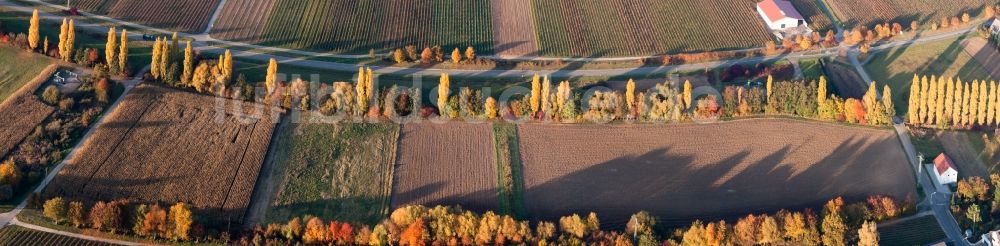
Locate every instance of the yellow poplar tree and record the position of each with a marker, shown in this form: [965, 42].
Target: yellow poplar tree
[536, 94]
[913, 107]
[821, 91]
[201, 79]
[887, 102]
[931, 100]
[63, 38]
[546, 92]
[770, 86]
[188, 64]
[992, 101]
[227, 71]
[924, 86]
[456, 56]
[180, 216]
[996, 108]
[46, 48]
[949, 102]
[966, 108]
[470, 54]
[941, 100]
[974, 103]
[33, 35]
[687, 91]
[154, 65]
[271, 81]
[70, 40]
[123, 52]
[165, 58]
[958, 105]
[443, 92]
[111, 47]
[630, 93]
[491, 108]
[982, 105]
[361, 92]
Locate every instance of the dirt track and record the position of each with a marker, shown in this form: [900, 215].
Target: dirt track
[446, 164]
[687, 172]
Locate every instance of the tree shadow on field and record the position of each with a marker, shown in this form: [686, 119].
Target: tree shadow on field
[678, 189]
[366, 210]
[504, 47]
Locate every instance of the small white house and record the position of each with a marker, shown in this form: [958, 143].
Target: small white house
[779, 14]
[944, 170]
[994, 26]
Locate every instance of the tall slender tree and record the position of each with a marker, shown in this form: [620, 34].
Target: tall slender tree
[536, 94]
[887, 103]
[991, 100]
[630, 93]
[687, 92]
[982, 106]
[111, 49]
[154, 64]
[123, 53]
[33, 34]
[924, 86]
[959, 104]
[966, 108]
[941, 100]
[913, 107]
[188, 64]
[70, 40]
[932, 100]
[949, 102]
[443, 92]
[271, 81]
[227, 67]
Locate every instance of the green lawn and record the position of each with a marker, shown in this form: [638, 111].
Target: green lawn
[337, 171]
[508, 160]
[921, 231]
[941, 58]
[18, 67]
[811, 69]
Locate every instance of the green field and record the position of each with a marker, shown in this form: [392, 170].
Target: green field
[334, 171]
[139, 51]
[941, 58]
[921, 231]
[18, 67]
[511, 185]
[595, 28]
[16, 235]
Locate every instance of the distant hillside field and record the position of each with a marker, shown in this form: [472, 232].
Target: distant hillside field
[871, 12]
[357, 26]
[181, 15]
[594, 28]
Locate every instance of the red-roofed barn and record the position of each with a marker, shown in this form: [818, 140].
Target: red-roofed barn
[779, 14]
[944, 170]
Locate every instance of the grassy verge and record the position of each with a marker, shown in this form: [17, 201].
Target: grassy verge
[921, 231]
[508, 160]
[946, 57]
[337, 171]
[811, 70]
[18, 68]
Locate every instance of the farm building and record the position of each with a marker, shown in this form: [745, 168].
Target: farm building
[782, 18]
[944, 170]
[994, 26]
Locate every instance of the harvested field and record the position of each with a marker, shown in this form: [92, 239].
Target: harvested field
[686, 172]
[357, 26]
[595, 28]
[446, 164]
[513, 31]
[181, 15]
[339, 171]
[16, 235]
[163, 145]
[918, 231]
[22, 115]
[985, 53]
[814, 15]
[871, 12]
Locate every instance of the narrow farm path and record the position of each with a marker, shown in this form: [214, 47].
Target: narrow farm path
[215, 16]
[206, 43]
[75, 235]
[10, 217]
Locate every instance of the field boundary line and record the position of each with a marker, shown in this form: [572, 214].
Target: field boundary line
[243, 159]
[267, 166]
[30, 86]
[215, 16]
[395, 165]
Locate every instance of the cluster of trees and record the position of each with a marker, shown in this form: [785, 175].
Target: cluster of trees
[976, 203]
[116, 53]
[951, 103]
[431, 55]
[145, 220]
[186, 69]
[838, 224]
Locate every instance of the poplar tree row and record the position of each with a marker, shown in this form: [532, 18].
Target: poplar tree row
[946, 102]
[209, 76]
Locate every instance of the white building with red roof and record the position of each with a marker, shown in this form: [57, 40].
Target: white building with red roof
[944, 170]
[780, 14]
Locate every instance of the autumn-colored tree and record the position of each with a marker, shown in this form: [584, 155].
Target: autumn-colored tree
[794, 226]
[456, 56]
[630, 94]
[973, 104]
[75, 214]
[989, 11]
[546, 96]
[426, 56]
[991, 104]
[226, 67]
[958, 105]
[833, 226]
[924, 99]
[33, 33]
[316, 232]
[165, 61]
[9, 174]
[913, 108]
[769, 231]
[982, 105]
[122, 54]
[887, 104]
[154, 65]
[830, 39]
[746, 230]
[155, 222]
[96, 216]
[470, 54]
[805, 44]
[271, 81]
[491, 108]
[444, 90]
[45, 50]
[188, 65]
[948, 103]
[55, 209]
[66, 40]
[914, 25]
[974, 214]
[111, 48]
[965, 18]
[181, 221]
[931, 100]
[536, 94]
[868, 234]
[414, 234]
[201, 79]
[687, 91]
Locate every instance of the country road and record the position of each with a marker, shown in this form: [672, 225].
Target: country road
[206, 43]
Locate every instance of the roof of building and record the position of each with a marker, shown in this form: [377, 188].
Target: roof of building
[942, 163]
[779, 9]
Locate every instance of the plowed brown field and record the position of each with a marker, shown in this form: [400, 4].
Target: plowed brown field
[513, 28]
[181, 15]
[163, 145]
[21, 115]
[705, 171]
[446, 164]
[871, 12]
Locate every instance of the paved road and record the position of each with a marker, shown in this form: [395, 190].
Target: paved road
[206, 43]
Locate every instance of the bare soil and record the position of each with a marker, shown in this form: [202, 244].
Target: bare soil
[446, 164]
[164, 145]
[513, 28]
[705, 171]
